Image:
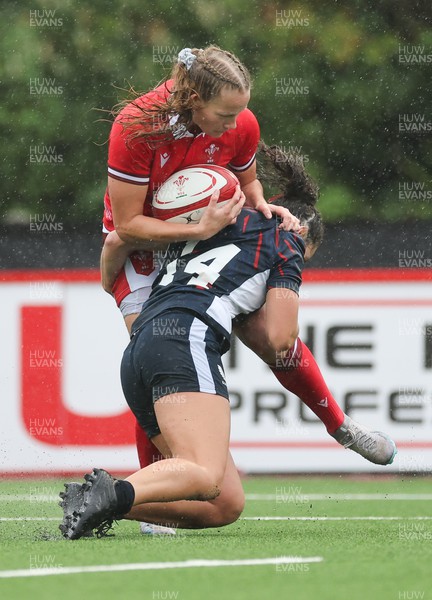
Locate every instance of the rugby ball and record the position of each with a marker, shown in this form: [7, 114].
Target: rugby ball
[183, 197]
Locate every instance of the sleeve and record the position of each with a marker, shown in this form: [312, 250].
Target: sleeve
[129, 160]
[248, 135]
[288, 266]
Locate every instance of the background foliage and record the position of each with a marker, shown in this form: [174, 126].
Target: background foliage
[346, 57]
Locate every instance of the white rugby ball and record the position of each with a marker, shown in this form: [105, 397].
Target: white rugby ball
[183, 197]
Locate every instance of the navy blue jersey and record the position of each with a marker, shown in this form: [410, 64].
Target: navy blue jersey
[228, 274]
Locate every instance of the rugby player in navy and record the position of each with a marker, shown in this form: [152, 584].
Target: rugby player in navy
[208, 92]
[173, 378]
[205, 271]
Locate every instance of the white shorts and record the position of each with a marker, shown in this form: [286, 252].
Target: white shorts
[132, 303]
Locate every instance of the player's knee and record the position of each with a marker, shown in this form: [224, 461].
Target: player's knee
[232, 510]
[221, 513]
[282, 341]
[227, 512]
[207, 486]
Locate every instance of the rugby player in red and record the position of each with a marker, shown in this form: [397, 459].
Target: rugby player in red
[199, 116]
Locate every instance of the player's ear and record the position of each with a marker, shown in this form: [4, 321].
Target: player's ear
[303, 231]
[196, 100]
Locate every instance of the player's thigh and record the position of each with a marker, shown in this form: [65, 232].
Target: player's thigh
[231, 500]
[197, 429]
[161, 444]
[131, 305]
[251, 330]
[171, 361]
[229, 505]
[191, 396]
[129, 321]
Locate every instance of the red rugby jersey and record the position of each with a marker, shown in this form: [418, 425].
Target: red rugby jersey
[140, 162]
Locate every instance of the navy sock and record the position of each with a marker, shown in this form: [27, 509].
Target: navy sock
[125, 496]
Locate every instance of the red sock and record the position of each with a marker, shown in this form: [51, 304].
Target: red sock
[302, 377]
[147, 451]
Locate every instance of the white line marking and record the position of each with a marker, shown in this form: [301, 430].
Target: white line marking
[375, 518]
[30, 519]
[34, 498]
[293, 493]
[187, 564]
[337, 518]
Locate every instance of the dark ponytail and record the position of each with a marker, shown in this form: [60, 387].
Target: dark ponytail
[298, 192]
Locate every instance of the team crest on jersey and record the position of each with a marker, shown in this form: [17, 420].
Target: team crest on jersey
[180, 183]
[210, 151]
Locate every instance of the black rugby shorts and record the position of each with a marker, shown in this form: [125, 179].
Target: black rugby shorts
[174, 353]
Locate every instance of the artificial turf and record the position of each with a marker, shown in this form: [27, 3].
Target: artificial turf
[386, 559]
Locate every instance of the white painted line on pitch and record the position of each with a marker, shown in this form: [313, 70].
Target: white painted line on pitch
[336, 518]
[291, 493]
[266, 518]
[263, 518]
[295, 494]
[187, 564]
[29, 518]
[34, 498]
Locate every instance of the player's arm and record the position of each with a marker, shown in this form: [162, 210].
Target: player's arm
[251, 187]
[281, 313]
[253, 191]
[127, 201]
[114, 254]
[282, 298]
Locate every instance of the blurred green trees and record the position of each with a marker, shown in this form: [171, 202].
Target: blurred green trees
[346, 84]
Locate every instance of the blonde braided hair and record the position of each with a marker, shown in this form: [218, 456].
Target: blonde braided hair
[213, 70]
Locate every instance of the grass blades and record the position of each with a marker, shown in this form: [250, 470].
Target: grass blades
[367, 532]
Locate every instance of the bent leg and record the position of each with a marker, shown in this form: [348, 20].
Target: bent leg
[191, 428]
[298, 372]
[197, 433]
[190, 514]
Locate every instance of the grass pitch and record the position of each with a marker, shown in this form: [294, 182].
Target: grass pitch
[355, 539]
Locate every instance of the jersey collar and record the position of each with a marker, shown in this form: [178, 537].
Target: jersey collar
[181, 131]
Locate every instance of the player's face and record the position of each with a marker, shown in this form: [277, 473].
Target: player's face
[309, 251]
[219, 115]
